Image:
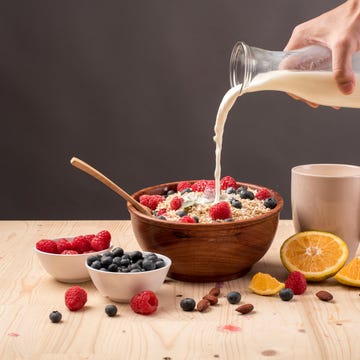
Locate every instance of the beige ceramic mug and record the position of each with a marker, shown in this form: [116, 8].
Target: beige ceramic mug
[326, 197]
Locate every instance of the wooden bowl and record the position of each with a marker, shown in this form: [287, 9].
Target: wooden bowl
[206, 252]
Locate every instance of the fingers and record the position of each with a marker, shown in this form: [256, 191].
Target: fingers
[342, 68]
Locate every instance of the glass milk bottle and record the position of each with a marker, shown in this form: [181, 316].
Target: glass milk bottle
[304, 72]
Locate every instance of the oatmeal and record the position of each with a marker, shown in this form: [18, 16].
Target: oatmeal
[195, 203]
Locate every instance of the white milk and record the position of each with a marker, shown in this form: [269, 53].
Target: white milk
[315, 86]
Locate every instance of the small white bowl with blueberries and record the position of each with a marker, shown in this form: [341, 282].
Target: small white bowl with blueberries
[119, 274]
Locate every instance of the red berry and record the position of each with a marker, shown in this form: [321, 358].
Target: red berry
[99, 243]
[182, 185]
[62, 245]
[89, 237]
[263, 194]
[201, 185]
[144, 303]
[228, 181]
[75, 298]
[296, 281]
[104, 234]
[187, 219]
[176, 203]
[81, 244]
[69, 252]
[151, 201]
[161, 212]
[48, 246]
[220, 211]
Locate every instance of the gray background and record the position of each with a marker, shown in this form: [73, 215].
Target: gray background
[133, 87]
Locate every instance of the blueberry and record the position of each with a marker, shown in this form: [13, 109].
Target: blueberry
[134, 267]
[240, 189]
[196, 219]
[170, 192]
[149, 264]
[135, 270]
[150, 256]
[108, 253]
[125, 261]
[55, 316]
[117, 261]
[118, 251]
[270, 203]
[186, 191]
[111, 310]
[124, 269]
[91, 259]
[106, 260]
[230, 190]
[161, 217]
[181, 213]
[160, 263]
[229, 219]
[233, 297]
[187, 304]
[236, 203]
[96, 265]
[247, 194]
[113, 268]
[135, 255]
[286, 294]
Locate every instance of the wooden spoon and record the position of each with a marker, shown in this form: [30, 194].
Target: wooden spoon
[99, 176]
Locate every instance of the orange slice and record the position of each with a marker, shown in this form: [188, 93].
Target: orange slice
[265, 284]
[317, 254]
[350, 273]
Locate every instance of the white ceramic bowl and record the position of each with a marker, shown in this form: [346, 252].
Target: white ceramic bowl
[121, 287]
[66, 268]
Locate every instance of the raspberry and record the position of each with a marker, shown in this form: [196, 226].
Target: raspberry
[187, 219]
[161, 212]
[48, 246]
[220, 211]
[263, 194]
[151, 201]
[182, 185]
[75, 298]
[296, 281]
[228, 181]
[80, 244]
[89, 237]
[62, 245]
[201, 185]
[69, 252]
[144, 303]
[176, 203]
[99, 243]
[104, 234]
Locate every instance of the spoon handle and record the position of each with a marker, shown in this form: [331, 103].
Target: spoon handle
[82, 165]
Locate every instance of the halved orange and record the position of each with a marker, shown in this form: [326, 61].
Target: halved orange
[265, 284]
[317, 254]
[350, 273]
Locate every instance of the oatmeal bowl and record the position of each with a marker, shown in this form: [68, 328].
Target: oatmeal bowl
[210, 235]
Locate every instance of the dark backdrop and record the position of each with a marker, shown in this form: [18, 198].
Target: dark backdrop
[133, 87]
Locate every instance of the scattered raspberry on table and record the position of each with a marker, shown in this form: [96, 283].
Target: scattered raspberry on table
[75, 298]
[144, 303]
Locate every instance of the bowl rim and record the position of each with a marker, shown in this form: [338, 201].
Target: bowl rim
[168, 263]
[174, 224]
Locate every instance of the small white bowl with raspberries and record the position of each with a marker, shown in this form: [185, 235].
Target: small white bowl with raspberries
[64, 258]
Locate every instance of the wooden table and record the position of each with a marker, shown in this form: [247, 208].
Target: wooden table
[304, 328]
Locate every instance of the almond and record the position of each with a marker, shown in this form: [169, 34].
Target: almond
[324, 295]
[213, 300]
[202, 305]
[214, 291]
[244, 309]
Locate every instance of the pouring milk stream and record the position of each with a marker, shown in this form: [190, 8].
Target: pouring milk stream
[305, 72]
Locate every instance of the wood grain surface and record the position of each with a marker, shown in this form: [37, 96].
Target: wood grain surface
[304, 328]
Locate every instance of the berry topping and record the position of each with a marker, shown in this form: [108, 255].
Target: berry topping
[55, 316]
[75, 298]
[187, 219]
[233, 297]
[175, 203]
[220, 211]
[111, 310]
[188, 304]
[286, 294]
[296, 281]
[144, 303]
[183, 185]
[263, 194]
[270, 203]
[151, 201]
[227, 182]
[48, 246]
[247, 194]
[201, 185]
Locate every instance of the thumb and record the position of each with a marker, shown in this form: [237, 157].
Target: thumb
[342, 69]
